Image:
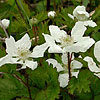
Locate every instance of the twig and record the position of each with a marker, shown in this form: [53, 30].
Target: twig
[18, 78]
[4, 29]
[27, 81]
[69, 67]
[62, 27]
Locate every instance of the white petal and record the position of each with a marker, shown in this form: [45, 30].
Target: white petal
[85, 13]
[97, 74]
[10, 46]
[31, 64]
[65, 58]
[75, 74]
[38, 51]
[63, 80]
[97, 51]
[90, 23]
[24, 42]
[76, 64]
[81, 46]
[55, 49]
[71, 16]
[78, 30]
[91, 64]
[56, 33]
[8, 60]
[55, 64]
[51, 43]
[4, 60]
[49, 39]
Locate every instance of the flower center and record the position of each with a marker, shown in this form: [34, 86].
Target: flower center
[66, 41]
[23, 53]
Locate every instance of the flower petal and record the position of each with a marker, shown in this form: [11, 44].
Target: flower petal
[8, 59]
[76, 64]
[75, 74]
[31, 64]
[90, 23]
[97, 74]
[91, 64]
[55, 49]
[55, 64]
[64, 58]
[51, 43]
[56, 33]
[24, 42]
[97, 50]
[10, 46]
[71, 16]
[63, 80]
[81, 46]
[78, 30]
[38, 51]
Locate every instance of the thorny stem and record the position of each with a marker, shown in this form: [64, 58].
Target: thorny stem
[4, 29]
[69, 67]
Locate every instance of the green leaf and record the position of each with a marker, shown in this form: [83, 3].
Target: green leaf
[82, 83]
[45, 79]
[86, 2]
[10, 87]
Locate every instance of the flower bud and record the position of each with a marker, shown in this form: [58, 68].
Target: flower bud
[51, 14]
[80, 13]
[5, 23]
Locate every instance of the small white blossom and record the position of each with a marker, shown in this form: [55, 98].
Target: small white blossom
[64, 78]
[59, 41]
[5, 23]
[82, 15]
[51, 14]
[18, 52]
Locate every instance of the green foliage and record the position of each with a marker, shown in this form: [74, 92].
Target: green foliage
[10, 87]
[77, 84]
[45, 79]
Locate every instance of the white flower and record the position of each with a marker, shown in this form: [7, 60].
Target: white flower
[19, 52]
[5, 23]
[59, 41]
[64, 78]
[51, 14]
[82, 15]
[92, 66]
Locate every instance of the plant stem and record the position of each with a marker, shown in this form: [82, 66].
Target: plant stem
[18, 78]
[27, 80]
[48, 5]
[4, 29]
[69, 67]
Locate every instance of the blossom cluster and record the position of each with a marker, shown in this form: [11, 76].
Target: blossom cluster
[58, 41]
